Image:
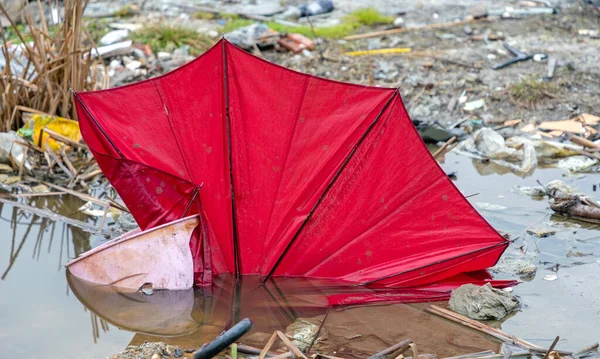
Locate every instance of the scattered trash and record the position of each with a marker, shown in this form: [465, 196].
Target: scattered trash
[316, 7]
[303, 333]
[517, 266]
[550, 277]
[114, 36]
[519, 56]
[568, 125]
[576, 163]
[474, 105]
[39, 125]
[492, 145]
[248, 37]
[594, 34]
[482, 302]
[8, 149]
[434, 132]
[571, 254]
[397, 50]
[296, 43]
[541, 232]
[490, 207]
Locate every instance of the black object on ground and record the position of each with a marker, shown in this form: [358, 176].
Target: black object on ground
[519, 56]
[224, 340]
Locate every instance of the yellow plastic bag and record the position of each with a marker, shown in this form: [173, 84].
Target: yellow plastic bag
[62, 126]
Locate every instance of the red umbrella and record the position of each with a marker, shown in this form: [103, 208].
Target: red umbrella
[293, 175]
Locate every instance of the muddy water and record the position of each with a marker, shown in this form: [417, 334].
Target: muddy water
[40, 314]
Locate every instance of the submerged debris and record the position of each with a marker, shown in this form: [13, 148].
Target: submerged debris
[482, 303]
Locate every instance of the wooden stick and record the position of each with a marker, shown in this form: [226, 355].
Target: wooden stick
[23, 160]
[268, 346]
[406, 29]
[587, 154]
[405, 344]
[583, 142]
[83, 196]
[30, 145]
[48, 214]
[551, 347]
[468, 322]
[290, 345]
[61, 138]
[68, 162]
[440, 152]
[92, 174]
[283, 356]
[58, 161]
[40, 194]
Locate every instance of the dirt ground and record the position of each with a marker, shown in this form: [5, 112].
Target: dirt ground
[446, 62]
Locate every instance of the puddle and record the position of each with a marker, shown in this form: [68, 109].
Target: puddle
[42, 316]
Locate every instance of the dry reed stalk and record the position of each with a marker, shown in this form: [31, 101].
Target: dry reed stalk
[54, 62]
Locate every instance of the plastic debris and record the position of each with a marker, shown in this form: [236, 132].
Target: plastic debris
[62, 126]
[303, 333]
[474, 105]
[482, 303]
[489, 206]
[576, 163]
[9, 149]
[550, 277]
[541, 232]
[517, 266]
[253, 35]
[316, 8]
[112, 37]
[491, 144]
[567, 125]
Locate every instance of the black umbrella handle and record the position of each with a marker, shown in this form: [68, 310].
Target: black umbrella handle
[224, 340]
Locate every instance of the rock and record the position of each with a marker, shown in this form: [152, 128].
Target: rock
[12, 180]
[5, 168]
[134, 65]
[514, 266]
[491, 144]
[114, 36]
[177, 353]
[8, 148]
[13, 7]
[183, 51]
[482, 303]
[542, 232]
[156, 356]
[576, 163]
[40, 189]
[163, 56]
[559, 188]
[126, 222]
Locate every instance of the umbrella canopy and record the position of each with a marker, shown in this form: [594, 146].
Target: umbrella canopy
[293, 175]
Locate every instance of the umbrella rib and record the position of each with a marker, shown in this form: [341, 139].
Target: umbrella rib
[97, 124]
[437, 262]
[330, 184]
[236, 250]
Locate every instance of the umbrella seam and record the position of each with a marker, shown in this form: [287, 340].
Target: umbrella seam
[331, 183]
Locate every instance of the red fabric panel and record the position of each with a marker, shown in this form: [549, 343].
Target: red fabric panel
[177, 132]
[286, 148]
[393, 212]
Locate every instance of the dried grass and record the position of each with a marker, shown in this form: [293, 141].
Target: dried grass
[55, 61]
